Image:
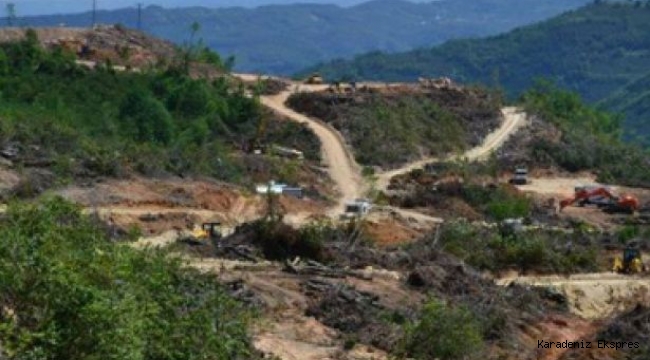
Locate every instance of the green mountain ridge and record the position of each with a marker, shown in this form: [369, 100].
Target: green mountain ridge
[283, 39]
[599, 51]
[634, 101]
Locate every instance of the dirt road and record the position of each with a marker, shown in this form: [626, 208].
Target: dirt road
[556, 186]
[593, 296]
[513, 120]
[338, 157]
[342, 167]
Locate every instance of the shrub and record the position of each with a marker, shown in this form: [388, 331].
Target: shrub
[498, 203]
[543, 252]
[69, 293]
[280, 241]
[443, 332]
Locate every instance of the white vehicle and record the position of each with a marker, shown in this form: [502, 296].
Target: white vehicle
[520, 177]
[358, 207]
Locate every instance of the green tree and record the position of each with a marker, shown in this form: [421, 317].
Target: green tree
[443, 332]
[70, 293]
[146, 118]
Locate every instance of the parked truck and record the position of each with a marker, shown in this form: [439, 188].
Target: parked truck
[520, 177]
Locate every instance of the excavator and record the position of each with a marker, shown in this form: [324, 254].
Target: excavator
[612, 203]
[631, 262]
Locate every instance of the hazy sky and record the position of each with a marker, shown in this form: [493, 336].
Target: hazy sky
[39, 7]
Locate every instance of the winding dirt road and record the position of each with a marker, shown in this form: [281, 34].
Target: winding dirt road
[342, 167]
[339, 159]
[513, 120]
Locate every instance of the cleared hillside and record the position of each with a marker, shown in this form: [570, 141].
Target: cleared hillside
[390, 127]
[285, 38]
[62, 123]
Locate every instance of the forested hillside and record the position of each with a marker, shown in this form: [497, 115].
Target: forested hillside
[62, 122]
[598, 50]
[282, 39]
[633, 100]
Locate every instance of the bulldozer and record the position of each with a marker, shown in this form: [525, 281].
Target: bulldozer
[201, 235]
[609, 202]
[631, 261]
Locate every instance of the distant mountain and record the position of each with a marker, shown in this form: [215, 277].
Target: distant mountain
[282, 39]
[49, 7]
[600, 50]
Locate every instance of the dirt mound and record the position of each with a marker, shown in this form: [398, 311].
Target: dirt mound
[626, 336]
[115, 43]
[156, 206]
[9, 180]
[356, 313]
[595, 295]
[389, 232]
[273, 86]
[517, 150]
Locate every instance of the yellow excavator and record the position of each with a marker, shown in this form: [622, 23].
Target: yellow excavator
[630, 263]
[201, 235]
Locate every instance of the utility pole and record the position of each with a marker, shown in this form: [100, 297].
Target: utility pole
[140, 16]
[11, 13]
[94, 12]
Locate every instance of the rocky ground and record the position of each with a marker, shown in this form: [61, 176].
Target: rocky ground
[337, 290]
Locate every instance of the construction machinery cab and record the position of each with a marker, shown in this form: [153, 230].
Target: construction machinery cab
[212, 230]
[314, 79]
[356, 208]
[604, 198]
[631, 262]
[511, 227]
[520, 177]
[208, 231]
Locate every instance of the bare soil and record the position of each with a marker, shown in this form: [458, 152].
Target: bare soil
[342, 168]
[119, 45]
[160, 205]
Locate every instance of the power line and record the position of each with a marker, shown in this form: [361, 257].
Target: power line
[11, 13]
[139, 16]
[94, 12]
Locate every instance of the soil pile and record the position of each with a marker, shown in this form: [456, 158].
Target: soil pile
[626, 337]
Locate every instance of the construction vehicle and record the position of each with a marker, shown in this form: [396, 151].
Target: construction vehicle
[314, 79]
[511, 227]
[201, 235]
[598, 200]
[356, 208]
[610, 202]
[631, 262]
[288, 152]
[520, 177]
